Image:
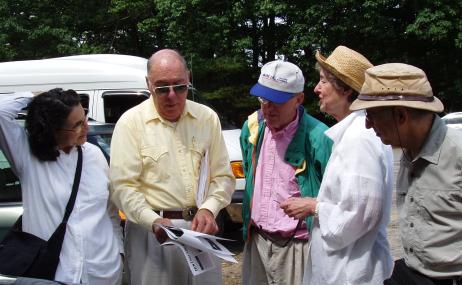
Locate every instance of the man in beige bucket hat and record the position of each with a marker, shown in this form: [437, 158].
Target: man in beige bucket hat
[401, 108]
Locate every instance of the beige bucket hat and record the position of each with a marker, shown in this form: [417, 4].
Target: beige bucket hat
[347, 65]
[397, 84]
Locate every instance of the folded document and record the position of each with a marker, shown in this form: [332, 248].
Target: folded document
[197, 248]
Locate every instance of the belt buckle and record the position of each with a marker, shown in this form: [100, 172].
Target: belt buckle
[188, 213]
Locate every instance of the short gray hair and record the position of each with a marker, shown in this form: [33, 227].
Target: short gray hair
[338, 84]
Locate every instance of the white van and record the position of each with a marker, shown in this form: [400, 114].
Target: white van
[108, 85]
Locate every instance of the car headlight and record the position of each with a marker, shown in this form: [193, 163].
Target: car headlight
[236, 166]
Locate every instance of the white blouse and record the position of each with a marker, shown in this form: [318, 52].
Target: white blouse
[92, 244]
[349, 241]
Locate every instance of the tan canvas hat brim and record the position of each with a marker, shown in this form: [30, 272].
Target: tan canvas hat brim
[435, 106]
[397, 84]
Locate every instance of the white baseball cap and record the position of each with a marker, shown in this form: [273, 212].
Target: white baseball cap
[279, 81]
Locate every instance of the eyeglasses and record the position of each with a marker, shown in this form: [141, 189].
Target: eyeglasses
[374, 113]
[165, 90]
[77, 128]
[264, 101]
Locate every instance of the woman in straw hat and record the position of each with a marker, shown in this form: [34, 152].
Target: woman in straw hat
[349, 242]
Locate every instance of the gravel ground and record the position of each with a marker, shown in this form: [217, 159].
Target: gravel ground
[232, 272]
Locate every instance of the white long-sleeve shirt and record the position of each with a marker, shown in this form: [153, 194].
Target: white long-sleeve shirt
[92, 245]
[349, 241]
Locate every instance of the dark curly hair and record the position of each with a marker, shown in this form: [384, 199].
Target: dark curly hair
[47, 113]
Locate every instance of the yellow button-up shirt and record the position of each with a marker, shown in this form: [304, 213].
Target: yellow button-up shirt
[155, 163]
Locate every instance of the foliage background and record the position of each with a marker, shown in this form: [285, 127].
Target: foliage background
[225, 42]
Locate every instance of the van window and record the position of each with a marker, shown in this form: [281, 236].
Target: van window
[116, 103]
[84, 100]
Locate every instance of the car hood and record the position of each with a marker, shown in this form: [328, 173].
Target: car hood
[231, 138]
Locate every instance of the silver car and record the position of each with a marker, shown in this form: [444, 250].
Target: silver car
[453, 120]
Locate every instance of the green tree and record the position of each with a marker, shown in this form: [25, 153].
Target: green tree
[226, 42]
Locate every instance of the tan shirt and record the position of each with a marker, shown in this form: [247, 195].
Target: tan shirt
[155, 163]
[429, 200]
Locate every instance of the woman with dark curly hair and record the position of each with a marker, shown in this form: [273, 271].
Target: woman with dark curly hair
[44, 157]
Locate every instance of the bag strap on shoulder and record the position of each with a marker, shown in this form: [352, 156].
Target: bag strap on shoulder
[75, 186]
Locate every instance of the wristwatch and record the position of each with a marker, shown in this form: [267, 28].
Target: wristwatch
[316, 210]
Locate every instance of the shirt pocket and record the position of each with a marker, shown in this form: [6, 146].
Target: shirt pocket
[294, 189]
[437, 211]
[91, 189]
[197, 152]
[156, 166]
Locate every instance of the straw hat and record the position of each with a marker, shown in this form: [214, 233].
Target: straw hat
[397, 84]
[347, 65]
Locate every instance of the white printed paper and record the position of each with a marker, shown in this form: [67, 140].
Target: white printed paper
[198, 261]
[197, 248]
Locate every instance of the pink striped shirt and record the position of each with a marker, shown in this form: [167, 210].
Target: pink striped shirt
[275, 182]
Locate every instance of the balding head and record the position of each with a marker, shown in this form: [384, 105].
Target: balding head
[167, 69]
[166, 55]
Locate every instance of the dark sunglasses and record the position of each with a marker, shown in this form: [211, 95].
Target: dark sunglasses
[165, 90]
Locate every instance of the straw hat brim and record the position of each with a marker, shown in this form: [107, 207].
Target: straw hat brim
[322, 61]
[435, 106]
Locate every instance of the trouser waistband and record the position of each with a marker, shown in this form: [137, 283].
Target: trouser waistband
[186, 214]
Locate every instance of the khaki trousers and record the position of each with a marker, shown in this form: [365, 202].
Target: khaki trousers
[149, 263]
[268, 263]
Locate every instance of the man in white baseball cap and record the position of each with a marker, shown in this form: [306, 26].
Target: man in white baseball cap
[284, 154]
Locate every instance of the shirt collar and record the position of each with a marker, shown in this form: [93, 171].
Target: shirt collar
[152, 113]
[289, 129]
[336, 132]
[432, 146]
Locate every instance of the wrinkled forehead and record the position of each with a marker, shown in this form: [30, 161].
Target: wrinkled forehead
[169, 72]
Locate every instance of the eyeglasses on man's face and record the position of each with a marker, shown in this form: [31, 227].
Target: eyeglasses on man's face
[264, 101]
[373, 114]
[177, 89]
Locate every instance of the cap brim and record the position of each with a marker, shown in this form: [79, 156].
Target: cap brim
[270, 94]
[435, 106]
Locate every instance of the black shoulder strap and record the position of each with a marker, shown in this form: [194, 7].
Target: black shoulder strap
[75, 186]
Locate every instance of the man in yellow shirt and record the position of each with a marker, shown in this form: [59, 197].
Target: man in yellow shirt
[156, 151]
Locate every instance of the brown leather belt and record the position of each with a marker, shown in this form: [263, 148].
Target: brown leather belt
[276, 238]
[186, 214]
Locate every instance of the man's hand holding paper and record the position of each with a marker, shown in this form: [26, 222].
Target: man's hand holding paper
[204, 222]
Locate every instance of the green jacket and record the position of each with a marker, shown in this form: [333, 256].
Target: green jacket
[308, 152]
